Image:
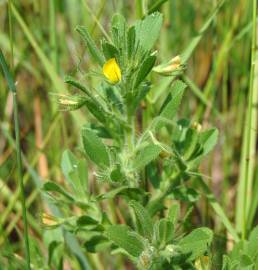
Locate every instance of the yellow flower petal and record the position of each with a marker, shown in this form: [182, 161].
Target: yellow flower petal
[112, 71]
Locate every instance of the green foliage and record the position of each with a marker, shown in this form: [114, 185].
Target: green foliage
[123, 237]
[167, 151]
[145, 156]
[244, 254]
[143, 220]
[96, 55]
[94, 148]
[150, 24]
[195, 243]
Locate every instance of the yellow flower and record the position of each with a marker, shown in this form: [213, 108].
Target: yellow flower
[112, 71]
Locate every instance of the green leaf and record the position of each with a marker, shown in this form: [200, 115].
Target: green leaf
[147, 31]
[76, 172]
[124, 238]
[53, 187]
[95, 148]
[207, 140]
[7, 73]
[130, 41]
[196, 243]
[97, 243]
[190, 142]
[96, 110]
[252, 245]
[185, 194]
[153, 174]
[143, 220]
[141, 93]
[173, 213]
[164, 232]
[246, 263]
[123, 191]
[95, 53]
[70, 80]
[226, 263]
[170, 109]
[145, 156]
[109, 50]
[119, 30]
[155, 5]
[88, 223]
[144, 70]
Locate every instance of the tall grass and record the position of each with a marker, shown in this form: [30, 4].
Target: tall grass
[12, 89]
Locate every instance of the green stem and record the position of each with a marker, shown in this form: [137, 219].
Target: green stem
[251, 130]
[11, 32]
[12, 88]
[53, 35]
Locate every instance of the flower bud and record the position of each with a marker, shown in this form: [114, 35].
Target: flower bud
[170, 68]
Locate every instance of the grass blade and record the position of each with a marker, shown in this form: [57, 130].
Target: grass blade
[12, 88]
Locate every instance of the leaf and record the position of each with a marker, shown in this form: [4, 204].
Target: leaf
[109, 50]
[76, 172]
[177, 92]
[96, 110]
[95, 53]
[123, 237]
[155, 5]
[153, 174]
[147, 31]
[53, 187]
[145, 156]
[185, 194]
[144, 70]
[119, 30]
[252, 245]
[97, 243]
[246, 263]
[51, 250]
[226, 263]
[123, 190]
[190, 142]
[196, 243]
[207, 140]
[164, 232]
[7, 73]
[130, 41]
[70, 80]
[87, 222]
[173, 213]
[91, 102]
[95, 148]
[143, 220]
[140, 94]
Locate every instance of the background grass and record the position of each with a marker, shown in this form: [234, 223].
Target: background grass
[39, 40]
